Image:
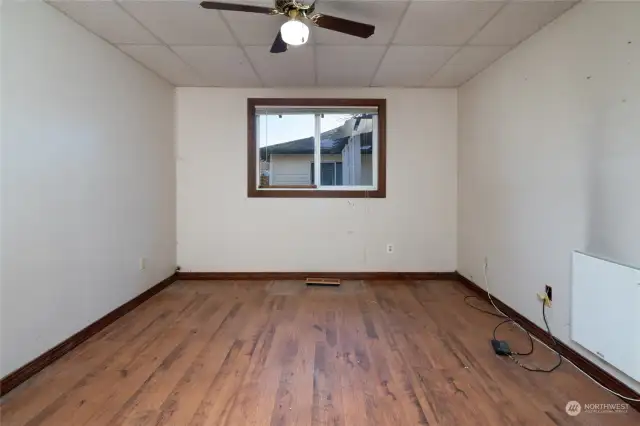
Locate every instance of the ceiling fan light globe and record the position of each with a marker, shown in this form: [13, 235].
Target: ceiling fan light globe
[294, 32]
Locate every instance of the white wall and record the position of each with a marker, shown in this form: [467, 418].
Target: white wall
[549, 159]
[88, 180]
[220, 229]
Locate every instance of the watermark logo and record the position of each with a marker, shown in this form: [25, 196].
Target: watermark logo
[573, 408]
[605, 408]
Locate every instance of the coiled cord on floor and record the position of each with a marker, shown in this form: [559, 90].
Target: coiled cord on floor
[503, 315]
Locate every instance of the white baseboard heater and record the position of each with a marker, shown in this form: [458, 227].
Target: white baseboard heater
[605, 311]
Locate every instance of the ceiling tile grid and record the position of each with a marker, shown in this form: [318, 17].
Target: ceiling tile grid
[412, 65]
[294, 68]
[347, 65]
[417, 43]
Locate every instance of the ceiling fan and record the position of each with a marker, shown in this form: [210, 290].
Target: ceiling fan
[295, 32]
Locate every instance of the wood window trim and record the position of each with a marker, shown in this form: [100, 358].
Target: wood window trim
[289, 186]
[252, 188]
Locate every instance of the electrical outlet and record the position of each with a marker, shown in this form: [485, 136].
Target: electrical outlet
[143, 263]
[546, 296]
[389, 248]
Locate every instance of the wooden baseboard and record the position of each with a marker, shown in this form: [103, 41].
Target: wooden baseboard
[22, 374]
[583, 363]
[257, 276]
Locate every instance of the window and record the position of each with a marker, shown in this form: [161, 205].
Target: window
[287, 138]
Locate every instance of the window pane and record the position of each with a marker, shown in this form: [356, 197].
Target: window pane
[286, 149]
[328, 174]
[347, 148]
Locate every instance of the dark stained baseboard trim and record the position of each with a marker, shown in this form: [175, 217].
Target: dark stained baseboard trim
[257, 276]
[583, 363]
[22, 374]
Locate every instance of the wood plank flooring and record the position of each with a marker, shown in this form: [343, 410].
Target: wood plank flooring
[278, 353]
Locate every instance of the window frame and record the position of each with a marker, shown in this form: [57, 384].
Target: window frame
[311, 191]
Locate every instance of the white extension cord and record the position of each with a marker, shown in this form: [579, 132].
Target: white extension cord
[486, 281]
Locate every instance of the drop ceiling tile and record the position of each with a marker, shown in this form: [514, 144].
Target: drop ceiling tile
[291, 68]
[181, 22]
[220, 65]
[477, 1]
[465, 64]
[358, 1]
[253, 29]
[411, 66]
[164, 62]
[517, 21]
[352, 66]
[444, 23]
[384, 15]
[107, 20]
[256, 2]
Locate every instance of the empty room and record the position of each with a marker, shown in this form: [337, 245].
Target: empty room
[331, 212]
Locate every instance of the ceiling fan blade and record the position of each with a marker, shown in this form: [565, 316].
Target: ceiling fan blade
[311, 9]
[237, 7]
[342, 25]
[278, 45]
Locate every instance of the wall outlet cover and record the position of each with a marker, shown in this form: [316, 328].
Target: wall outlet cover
[548, 290]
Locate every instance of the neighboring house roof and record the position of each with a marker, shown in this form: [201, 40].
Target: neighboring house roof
[328, 145]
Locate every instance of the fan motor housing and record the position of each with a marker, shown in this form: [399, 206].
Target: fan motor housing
[287, 6]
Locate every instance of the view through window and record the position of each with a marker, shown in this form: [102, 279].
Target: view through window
[289, 141]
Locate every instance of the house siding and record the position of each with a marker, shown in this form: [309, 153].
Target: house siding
[295, 169]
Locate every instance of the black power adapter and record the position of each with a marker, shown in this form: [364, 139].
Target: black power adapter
[500, 347]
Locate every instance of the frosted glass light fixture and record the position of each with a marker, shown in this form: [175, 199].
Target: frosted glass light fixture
[294, 32]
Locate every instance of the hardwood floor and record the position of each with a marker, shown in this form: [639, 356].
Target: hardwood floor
[279, 353]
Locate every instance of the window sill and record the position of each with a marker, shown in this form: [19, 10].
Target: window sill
[288, 187]
[268, 192]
